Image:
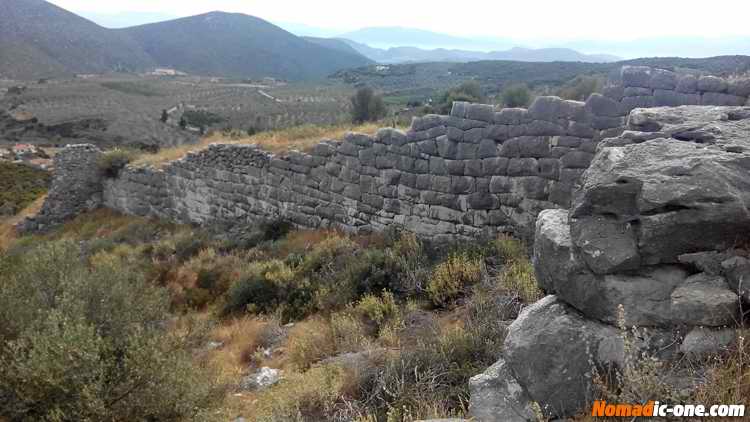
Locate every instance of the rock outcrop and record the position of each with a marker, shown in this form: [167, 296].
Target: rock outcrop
[653, 239]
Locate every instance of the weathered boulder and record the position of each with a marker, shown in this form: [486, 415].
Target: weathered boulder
[678, 195]
[737, 272]
[263, 378]
[496, 396]
[659, 296]
[704, 300]
[549, 349]
[702, 342]
[553, 256]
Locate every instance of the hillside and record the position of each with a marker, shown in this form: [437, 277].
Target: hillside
[335, 44]
[427, 79]
[39, 39]
[237, 45]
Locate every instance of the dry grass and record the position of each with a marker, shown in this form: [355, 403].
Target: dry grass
[241, 338]
[8, 233]
[301, 138]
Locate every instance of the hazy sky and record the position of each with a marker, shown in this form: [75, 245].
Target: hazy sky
[520, 19]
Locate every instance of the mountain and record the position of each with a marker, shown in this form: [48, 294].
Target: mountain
[334, 44]
[39, 39]
[386, 37]
[238, 45]
[550, 55]
[395, 55]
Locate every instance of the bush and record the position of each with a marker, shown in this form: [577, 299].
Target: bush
[469, 91]
[270, 287]
[378, 311]
[111, 162]
[580, 88]
[429, 380]
[367, 106]
[312, 396]
[516, 96]
[451, 277]
[517, 275]
[310, 342]
[201, 118]
[408, 255]
[87, 342]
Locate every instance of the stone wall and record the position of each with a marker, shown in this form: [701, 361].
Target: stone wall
[76, 187]
[656, 238]
[476, 171]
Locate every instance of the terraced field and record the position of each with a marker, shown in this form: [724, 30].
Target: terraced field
[127, 110]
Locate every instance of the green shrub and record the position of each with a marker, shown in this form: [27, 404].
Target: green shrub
[86, 341]
[517, 275]
[516, 96]
[428, 380]
[270, 287]
[581, 87]
[451, 277]
[112, 162]
[367, 106]
[378, 310]
[408, 255]
[469, 91]
[201, 118]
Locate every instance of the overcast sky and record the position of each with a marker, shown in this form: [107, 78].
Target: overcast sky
[520, 19]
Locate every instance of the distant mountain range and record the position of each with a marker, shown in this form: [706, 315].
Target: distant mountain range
[385, 38]
[396, 55]
[393, 45]
[39, 39]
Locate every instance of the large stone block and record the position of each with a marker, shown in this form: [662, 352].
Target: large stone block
[683, 197]
[712, 84]
[523, 167]
[687, 84]
[550, 347]
[663, 79]
[719, 99]
[739, 87]
[496, 396]
[511, 116]
[606, 244]
[639, 76]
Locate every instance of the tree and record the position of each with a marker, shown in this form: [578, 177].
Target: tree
[367, 106]
[581, 87]
[164, 116]
[516, 96]
[469, 91]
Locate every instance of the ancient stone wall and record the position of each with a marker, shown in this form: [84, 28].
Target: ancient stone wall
[76, 187]
[476, 171]
[656, 238]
